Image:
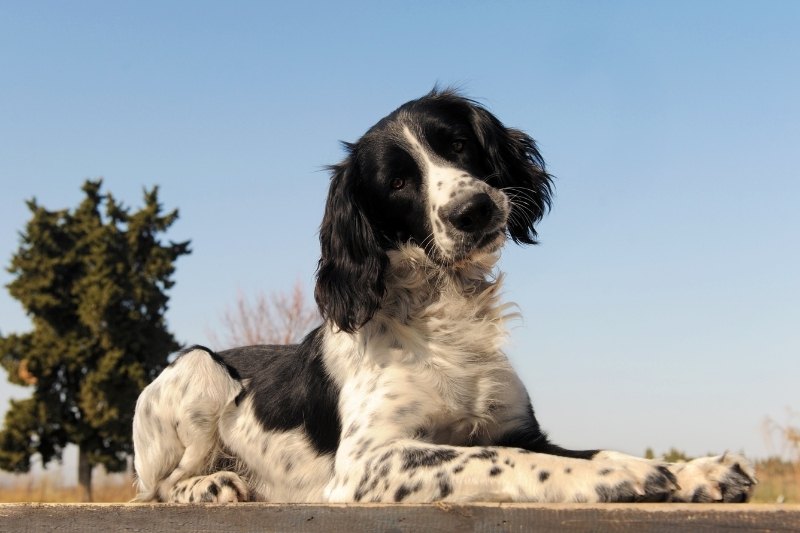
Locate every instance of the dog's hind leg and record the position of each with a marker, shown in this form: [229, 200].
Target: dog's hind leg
[175, 432]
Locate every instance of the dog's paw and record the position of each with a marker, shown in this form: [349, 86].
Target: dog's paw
[728, 478]
[642, 480]
[219, 487]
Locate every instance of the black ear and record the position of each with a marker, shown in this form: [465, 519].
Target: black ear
[518, 169]
[350, 284]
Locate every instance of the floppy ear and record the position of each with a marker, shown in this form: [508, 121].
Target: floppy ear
[518, 169]
[350, 284]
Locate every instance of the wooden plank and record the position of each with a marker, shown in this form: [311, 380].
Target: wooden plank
[252, 517]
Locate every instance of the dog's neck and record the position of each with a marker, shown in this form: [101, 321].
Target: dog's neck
[431, 311]
[415, 284]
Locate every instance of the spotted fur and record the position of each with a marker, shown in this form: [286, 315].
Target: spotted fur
[403, 394]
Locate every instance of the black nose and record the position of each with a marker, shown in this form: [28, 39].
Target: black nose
[474, 214]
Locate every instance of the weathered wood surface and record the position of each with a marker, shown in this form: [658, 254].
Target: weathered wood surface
[258, 517]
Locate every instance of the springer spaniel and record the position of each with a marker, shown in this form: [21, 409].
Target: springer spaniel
[403, 394]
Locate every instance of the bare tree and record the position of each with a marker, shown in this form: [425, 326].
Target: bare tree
[274, 318]
[787, 435]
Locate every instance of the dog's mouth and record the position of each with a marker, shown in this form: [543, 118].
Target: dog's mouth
[492, 241]
[474, 248]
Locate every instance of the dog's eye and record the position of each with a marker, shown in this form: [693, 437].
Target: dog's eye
[457, 146]
[397, 183]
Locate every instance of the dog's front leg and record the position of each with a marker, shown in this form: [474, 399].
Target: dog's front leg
[412, 471]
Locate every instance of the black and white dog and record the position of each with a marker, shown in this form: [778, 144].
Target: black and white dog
[403, 394]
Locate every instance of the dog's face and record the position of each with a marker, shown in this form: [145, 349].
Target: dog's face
[440, 172]
[424, 177]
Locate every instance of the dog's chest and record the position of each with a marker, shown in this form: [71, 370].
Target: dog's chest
[435, 372]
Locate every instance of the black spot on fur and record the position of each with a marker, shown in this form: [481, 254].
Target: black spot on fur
[496, 470]
[363, 447]
[567, 470]
[227, 481]
[413, 458]
[701, 495]
[484, 454]
[386, 456]
[384, 471]
[622, 492]
[213, 489]
[445, 488]
[605, 471]
[351, 430]
[736, 485]
[544, 475]
[659, 485]
[362, 486]
[402, 493]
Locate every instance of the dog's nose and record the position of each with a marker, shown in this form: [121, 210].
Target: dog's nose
[474, 214]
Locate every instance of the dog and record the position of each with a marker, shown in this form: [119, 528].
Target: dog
[403, 394]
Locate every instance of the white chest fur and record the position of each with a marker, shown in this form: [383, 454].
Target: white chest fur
[429, 364]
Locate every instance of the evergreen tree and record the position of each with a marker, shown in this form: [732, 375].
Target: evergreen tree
[93, 280]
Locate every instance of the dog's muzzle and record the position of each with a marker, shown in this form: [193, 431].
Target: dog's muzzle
[475, 220]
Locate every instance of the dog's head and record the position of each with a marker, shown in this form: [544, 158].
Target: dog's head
[440, 172]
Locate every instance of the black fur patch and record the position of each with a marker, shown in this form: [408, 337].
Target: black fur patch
[445, 488]
[659, 485]
[484, 454]
[701, 495]
[735, 486]
[402, 493]
[421, 457]
[622, 492]
[291, 388]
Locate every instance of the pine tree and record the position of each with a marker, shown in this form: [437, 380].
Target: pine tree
[95, 287]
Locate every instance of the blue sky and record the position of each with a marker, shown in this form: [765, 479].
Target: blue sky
[662, 307]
